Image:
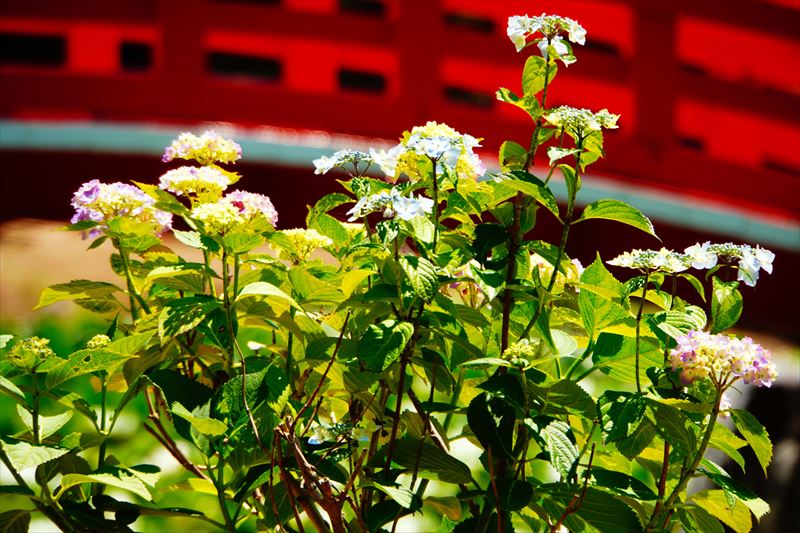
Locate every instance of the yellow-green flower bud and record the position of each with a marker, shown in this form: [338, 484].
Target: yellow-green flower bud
[29, 353]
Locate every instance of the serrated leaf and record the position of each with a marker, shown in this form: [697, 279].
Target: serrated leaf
[15, 521]
[9, 389]
[598, 311]
[186, 277]
[79, 289]
[755, 434]
[382, 343]
[697, 520]
[562, 397]
[512, 156]
[25, 455]
[674, 427]
[422, 275]
[554, 153]
[47, 424]
[434, 463]
[715, 503]
[563, 453]
[404, 497]
[726, 305]
[725, 441]
[85, 362]
[352, 280]
[206, 426]
[184, 314]
[599, 509]
[528, 184]
[733, 487]
[619, 212]
[573, 182]
[533, 75]
[637, 441]
[196, 240]
[621, 413]
[263, 288]
[111, 476]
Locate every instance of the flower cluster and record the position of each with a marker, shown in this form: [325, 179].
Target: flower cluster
[218, 217]
[750, 260]
[435, 142]
[100, 202]
[392, 203]
[98, 341]
[581, 122]
[723, 359]
[29, 353]
[203, 183]
[303, 243]
[340, 159]
[662, 260]
[251, 205]
[209, 148]
[552, 28]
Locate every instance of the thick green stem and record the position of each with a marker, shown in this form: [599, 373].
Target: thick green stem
[219, 483]
[662, 513]
[133, 294]
[101, 456]
[36, 409]
[207, 278]
[435, 194]
[638, 328]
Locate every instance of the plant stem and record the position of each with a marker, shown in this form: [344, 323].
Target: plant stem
[638, 328]
[101, 457]
[435, 194]
[36, 408]
[219, 483]
[660, 515]
[133, 294]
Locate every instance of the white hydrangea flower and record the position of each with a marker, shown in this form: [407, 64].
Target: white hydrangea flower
[387, 159]
[701, 256]
[407, 208]
[339, 159]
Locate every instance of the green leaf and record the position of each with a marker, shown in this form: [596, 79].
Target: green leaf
[573, 182]
[25, 455]
[263, 288]
[120, 478]
[755, 435]
[330, 227]
[733, 487]
[196, 240]
[555, 153]
[205, 425]
[15, 521]
[697, 520]
[382, 343]
[533, 75]
[599, 509]
[79, 289]
[352, 280]
[726, 305]
[563, 452]
[598, 311]
[696, 284]
[615, 355]
[9, 389]
[621, 413]
[514, 494]
[434, 463]
[187, 277]
[512, 156]
[241, 242]
[725, 441]
[674, 427]
[47, 424]
[715, 503]
[637, 441]
[528, 184]
[619, 212]
[184, 314]
[422, 276]
[562, 397]
[85, 362]
[404, 497]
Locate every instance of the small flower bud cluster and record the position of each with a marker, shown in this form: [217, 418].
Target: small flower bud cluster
[29, 353]
[100, 202]
[392, 203]
[521, 353]
[552, 28]
[723, 359]
[218, 217]
[662, 260]
[304, 242]
[209, 148]
[581, 122]
[571, 275]
[435, 142]
[98, 341]
[341, 159]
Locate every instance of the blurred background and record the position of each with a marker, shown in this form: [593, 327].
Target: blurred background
[708, 145]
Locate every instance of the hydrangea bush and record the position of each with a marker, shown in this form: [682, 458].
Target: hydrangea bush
[415, 353]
